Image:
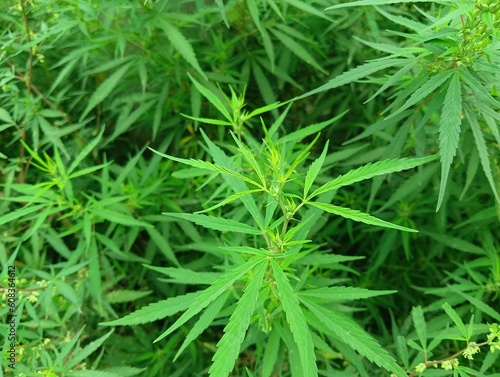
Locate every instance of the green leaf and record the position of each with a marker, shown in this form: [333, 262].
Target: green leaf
[359, 216]
[455, 318]
[163, 245]
[237, 185]
[180, 275]
[19, 213]
[155, 311]
[449, 131]
[218, 168]
[417, 315]
[336, 294]
[297, 49]
[212, 98]
[266, 40]
[271, 353]
[119, 218]
[314, 170]
[421, 93]
[482, 150]
[379, 2]
[211, 293]
[89, 349]
[203, 322]
[125, 295]
[480, 305]
[229, 346]
[216, 223]
[372, 170]
[356, 74]
[230, 199]
[296, 321]
[309, 130]
[181, 44]
[104, 90]
[351, 334]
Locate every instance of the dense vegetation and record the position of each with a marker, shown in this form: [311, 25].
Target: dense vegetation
[250, 188]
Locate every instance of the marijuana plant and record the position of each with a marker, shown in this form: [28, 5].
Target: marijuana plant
[267, 277]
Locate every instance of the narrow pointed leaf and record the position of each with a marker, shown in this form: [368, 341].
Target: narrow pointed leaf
[359, 216]
[356, 74]
[229, 346]
[449, 131]
[104, 90]
[203, 323]
[297, 49]
[421, 93]
[336, 294]
[455, 318]
[483, 152]
[230, 199]
[309, 130]
[372, 170]
[155, 311]
[417, 315]
[212, 98]
[237, 185]
[208, 166]
[314, 170]
[181, 44]
[356, 338]
[216, 223]
[210, 294]
[296, 321]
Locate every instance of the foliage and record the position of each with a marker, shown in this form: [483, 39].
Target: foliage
[320, 195]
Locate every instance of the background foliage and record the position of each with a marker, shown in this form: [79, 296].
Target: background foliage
[288, 94]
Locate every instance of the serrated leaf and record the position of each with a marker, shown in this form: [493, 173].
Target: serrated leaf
[228, 348]
[266, 40]
[271, 353]
[216, 223]
[372, 170]
[297, 49]
[180, 275]
[296, 321]
[230, 199]
[482, 150]
[480, 305]
[449, 131]
[341, 293]
[308, 9]
[125, 295]
[119, 218]
[359, 216]
[212, 98]
[163, 245]
[421, 93]
[181, 44]
[155, 311]
[237, 185]
[455, 318]
[221, 169]
[211, 293]
[314, 170]
[379, 2]
[203, 322]
[356, 338]
[87, 350]
[104, 90]
[357, 73]
[299, 135]
[417, 315]
[19, 213]
[248, 155]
